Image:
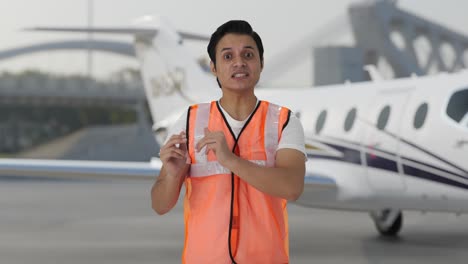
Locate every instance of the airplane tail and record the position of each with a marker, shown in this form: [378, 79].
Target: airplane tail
[172, 78]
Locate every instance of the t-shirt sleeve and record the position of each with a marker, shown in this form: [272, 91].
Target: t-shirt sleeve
[293, 135]
[179, 126]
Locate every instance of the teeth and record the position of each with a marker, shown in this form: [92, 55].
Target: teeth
[240, 75]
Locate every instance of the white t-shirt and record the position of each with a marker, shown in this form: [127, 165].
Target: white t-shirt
[292, 136]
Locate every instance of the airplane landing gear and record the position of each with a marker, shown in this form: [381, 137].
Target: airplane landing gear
[388, 221]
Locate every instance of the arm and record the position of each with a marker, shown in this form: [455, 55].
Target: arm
[285, 180]
[166, 189]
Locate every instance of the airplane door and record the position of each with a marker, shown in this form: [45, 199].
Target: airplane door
[381, 141]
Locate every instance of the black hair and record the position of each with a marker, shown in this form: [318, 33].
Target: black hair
[237, 27]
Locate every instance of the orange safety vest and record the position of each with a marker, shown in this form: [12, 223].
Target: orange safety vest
[226, 219]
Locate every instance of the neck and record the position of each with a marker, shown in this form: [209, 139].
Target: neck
[238, 106]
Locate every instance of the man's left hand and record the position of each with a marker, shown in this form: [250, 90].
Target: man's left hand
[216, 142]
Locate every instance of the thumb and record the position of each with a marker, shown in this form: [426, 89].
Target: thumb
[184, 145]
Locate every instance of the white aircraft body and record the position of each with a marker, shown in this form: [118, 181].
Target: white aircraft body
[379, 147]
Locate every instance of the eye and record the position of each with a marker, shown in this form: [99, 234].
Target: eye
[249, 55]
[227, 56]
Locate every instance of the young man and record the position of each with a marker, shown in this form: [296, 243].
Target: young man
[241, 160]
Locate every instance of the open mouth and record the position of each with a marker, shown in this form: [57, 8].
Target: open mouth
[240, 75]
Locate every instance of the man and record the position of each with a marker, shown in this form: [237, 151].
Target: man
[241, 160]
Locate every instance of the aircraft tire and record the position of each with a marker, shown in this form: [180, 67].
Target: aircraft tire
[393, 229]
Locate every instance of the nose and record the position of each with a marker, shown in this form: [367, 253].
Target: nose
[239, 62]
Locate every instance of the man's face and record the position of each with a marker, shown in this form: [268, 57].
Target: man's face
[238, 65]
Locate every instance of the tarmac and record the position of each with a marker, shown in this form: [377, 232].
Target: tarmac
[52, 221]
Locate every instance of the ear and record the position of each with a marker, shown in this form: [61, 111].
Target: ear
[262, 62]
[213, 68]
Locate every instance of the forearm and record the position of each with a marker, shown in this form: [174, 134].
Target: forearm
[287, 183]
[166, 190]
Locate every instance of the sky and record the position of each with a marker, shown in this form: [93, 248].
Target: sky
[281, 24]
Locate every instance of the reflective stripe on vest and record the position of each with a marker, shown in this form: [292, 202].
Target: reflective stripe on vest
[259, 231]
[213, 168]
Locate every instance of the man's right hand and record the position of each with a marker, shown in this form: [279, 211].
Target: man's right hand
[166, 189]
[174, 154]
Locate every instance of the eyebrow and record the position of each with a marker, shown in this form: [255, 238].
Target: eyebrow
[246, 47]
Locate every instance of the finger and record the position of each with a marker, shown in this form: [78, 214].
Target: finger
[176, 149]
[175, 136]
[184, 145]
[200, 143]
[203, 142]
[181, 135]
[172, 153]
[173, 141]
[207, 131]
[168, 149]
[176, 139]
[177, 153]
[210, 147]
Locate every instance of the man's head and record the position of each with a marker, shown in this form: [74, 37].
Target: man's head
[240, 27]
[230, 35]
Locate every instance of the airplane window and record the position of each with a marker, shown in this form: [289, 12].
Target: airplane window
[349, 121]
[457, 107]
[383, 117]
[298, 114]
[465, 120]
[320, 121]
[420, 116]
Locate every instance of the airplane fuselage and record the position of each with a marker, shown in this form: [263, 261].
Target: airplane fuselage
[389, 144]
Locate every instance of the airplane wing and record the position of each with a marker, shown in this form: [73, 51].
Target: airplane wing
[319, 181]
[80, 169]
[109, 169]
[319, 191]
[120, 31]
